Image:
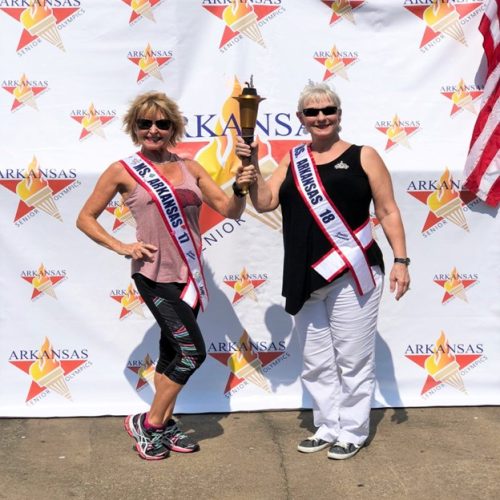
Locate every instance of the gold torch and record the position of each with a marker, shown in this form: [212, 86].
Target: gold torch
[249, 104]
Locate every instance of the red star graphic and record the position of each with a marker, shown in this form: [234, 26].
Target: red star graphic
[261, 11]
[348, 61]
[448, 296]
[390, 144]
[134, 15]
[429, 35]
[68, 366]
[475, 94]
[55, 184]
[53, 279]
[16, 104]
[117, 223]
[463, 360]
[237, 297]
[60, 13]
[335, 17]
[233, 381]
[84, 133]
[432, 219]
[162, 61]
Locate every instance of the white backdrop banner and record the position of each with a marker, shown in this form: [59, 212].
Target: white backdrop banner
[76, 338]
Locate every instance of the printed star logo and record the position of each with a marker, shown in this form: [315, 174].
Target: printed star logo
[246, 364]
[462, 98]
[36, 193]
[48, 373]
[150, 62]
[25, 93]
[130, 300]
[443, 17]
[93, 121]
[145, 371]
[142, 9]
[43, 281]
[444, 203]
[39, 20]
[343, 9]
[455, 286]
[244, 286]
[398, 132]
[241, 17]
[121, 213]
[443, 366]
[336, 63]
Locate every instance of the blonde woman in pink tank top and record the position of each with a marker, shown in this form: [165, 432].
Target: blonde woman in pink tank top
[160, 269]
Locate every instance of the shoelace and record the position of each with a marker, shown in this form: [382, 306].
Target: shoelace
[174, 433]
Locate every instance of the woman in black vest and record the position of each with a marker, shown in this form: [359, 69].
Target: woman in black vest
[333, 269]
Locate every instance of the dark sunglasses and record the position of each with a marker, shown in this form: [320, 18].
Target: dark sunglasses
[327, 110]
[143, 124]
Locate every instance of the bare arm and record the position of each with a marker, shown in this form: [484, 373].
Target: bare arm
[388, 214]
[264, 194]
[113, 180]
[228, 206]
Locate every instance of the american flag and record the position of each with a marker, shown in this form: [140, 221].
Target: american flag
[482, 167]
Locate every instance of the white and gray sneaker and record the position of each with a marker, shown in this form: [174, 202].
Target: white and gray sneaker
[313, 444]
[341, 450]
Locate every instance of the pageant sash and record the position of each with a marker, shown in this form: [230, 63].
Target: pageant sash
[348, 247]
[165, 198]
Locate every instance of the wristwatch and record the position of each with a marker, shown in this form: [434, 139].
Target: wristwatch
[238, 191]
[402, 260]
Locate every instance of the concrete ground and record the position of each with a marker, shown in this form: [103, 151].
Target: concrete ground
[427, 453]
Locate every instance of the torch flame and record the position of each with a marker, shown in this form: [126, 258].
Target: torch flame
[46, 362]
[244, 282]
[90, 117]
[129, 296]
[453, 280]
[437, 11]
[243, 355]
[36, 12]
[41, 277]
[22, 88]
[444, 193]
[138, 3]
[218, 157]
[334, 58]
[460, 93]
[235, 11]
[340, 5]
[395, 127]
[148, 57]
[32, 181]
[121, 209]
[441, 357]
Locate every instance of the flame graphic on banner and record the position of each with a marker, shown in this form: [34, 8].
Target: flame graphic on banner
[220, 161]
[454, 285]
[240, 17]
[462, 98]
[335, 64]
[149, 64]
[147, 370]
[246, 365]
[36, 192]
[132, 302]
[343, 8]
[143, 8]
[445, 202]
[442, 17]
[92, 123]
[43, 283]
[39, 20]
[442, 365]
[244, 285]
[124, 215]
[24, 93]
[398, 134]
[47, 371]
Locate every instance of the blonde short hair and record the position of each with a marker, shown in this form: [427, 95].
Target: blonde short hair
[148, 104]
[314, 92]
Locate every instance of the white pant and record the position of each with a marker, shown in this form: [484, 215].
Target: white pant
[337, 328]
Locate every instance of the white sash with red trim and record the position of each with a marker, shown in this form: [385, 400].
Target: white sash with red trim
[348, 247]
[165, 198]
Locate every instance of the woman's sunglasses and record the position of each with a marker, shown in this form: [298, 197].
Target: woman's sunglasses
[143, 124]
[327, 110]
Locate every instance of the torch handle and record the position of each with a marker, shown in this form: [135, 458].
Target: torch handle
[246, 161]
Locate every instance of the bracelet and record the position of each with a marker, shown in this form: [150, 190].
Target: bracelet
[402, 260]
[238, 192]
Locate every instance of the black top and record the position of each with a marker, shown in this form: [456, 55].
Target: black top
[304, 242]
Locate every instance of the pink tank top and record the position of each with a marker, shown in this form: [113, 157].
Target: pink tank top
[168, 266]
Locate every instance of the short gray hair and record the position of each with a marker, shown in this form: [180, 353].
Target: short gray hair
[314, 92]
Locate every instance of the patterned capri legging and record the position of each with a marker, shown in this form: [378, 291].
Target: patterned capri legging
[182, 348]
